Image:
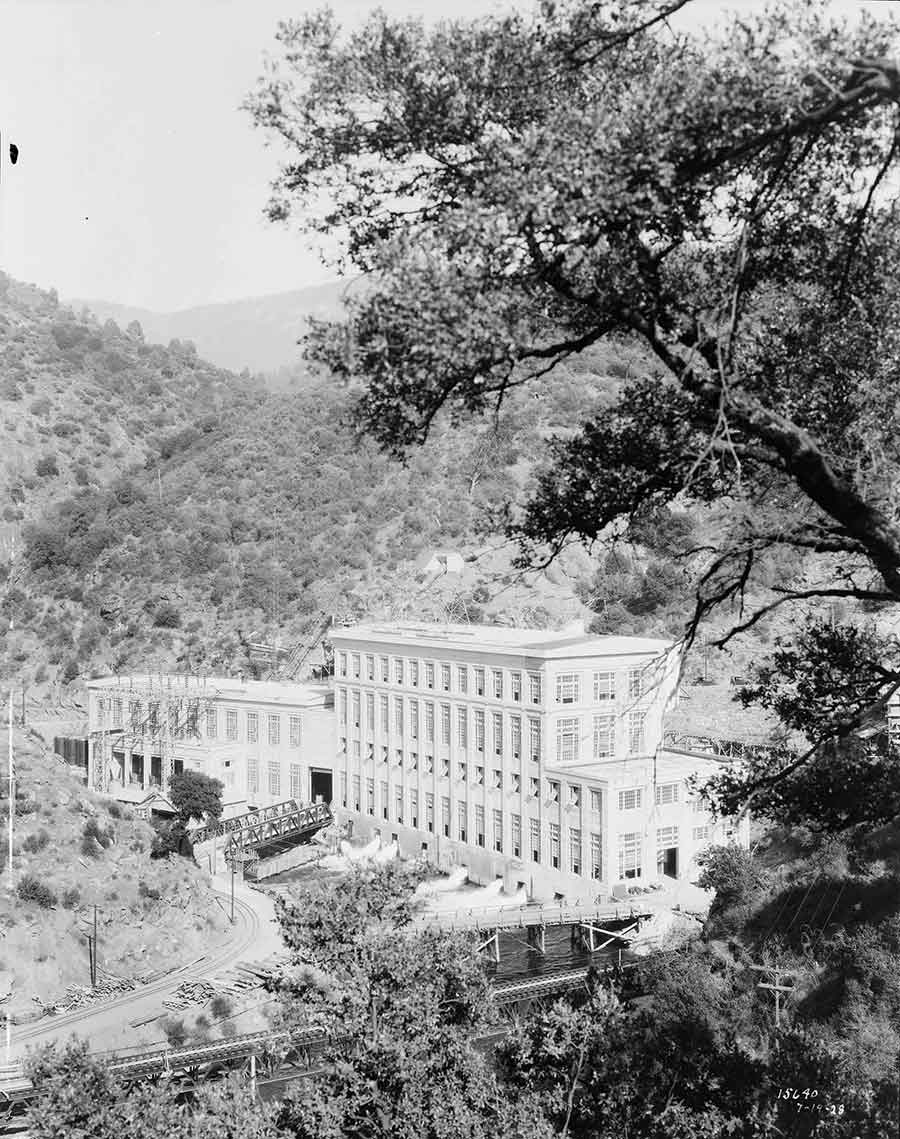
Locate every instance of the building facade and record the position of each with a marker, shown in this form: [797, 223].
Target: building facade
[529, 755]
[265, 741]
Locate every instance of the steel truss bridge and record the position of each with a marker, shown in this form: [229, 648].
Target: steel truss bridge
[285, 1055]
[288, 820]
[713, 745]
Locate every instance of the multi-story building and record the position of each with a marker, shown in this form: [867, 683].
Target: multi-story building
[265, 741]
[529, 755]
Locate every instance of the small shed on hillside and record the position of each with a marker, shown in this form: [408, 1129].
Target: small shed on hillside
[145, 803]
[439, 562]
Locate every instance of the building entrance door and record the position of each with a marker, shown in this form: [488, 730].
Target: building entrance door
[667, 861]
[320, 783]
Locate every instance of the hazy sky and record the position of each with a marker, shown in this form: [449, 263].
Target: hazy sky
[140, 181]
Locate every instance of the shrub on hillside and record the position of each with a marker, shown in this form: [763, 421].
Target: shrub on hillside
[46, 466]
[71, 898]
[32, 889]
[175, 1032]
[220, 1006]
[145, 891]
[95, 838]
[67, 335]
[733, 873]
[35, 842]
[166, 616]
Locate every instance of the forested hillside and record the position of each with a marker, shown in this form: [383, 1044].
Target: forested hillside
[83, 401]
[164, 510]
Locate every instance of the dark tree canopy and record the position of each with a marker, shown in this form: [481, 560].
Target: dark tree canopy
[195, 795]
[520, 187]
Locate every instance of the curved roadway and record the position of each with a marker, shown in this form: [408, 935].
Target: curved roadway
[99, 1022]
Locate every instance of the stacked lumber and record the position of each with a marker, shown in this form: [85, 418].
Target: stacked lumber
[190, 993]
[77, 995]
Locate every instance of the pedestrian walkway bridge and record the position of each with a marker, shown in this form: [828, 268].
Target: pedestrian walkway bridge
[289, 820]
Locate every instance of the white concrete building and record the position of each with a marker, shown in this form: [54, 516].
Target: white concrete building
[265, 741]
[529, 755]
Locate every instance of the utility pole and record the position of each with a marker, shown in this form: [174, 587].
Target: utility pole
[94, 953]
[775, 985]
[232, 887]
[12, 794]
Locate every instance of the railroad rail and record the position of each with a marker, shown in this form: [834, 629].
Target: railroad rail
[286, 1055]
[296, 1047]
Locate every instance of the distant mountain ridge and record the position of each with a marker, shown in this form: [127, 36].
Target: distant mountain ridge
[259, 333]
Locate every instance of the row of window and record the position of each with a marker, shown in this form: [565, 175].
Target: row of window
[439, 676]
[479, 776]
[493, 682]
[252, 727]
[664, 795]
[631, 847]
[405, 810]
[184, 721]
[434, 723]
[272, 773]
[181, 721]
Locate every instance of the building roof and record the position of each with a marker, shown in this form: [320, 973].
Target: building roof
[501, 638]
[138, 796]
[219, 687]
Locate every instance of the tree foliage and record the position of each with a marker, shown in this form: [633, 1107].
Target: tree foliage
[195, 795]
[77, 1096]
[519, 188]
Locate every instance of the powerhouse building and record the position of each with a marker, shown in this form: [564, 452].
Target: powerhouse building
[529, 755]
[266, 741]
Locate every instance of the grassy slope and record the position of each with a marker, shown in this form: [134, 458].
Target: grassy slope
[247, 519]
[44, 950]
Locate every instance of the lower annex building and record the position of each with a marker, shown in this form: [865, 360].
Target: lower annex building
[530, 755]
[267, 741]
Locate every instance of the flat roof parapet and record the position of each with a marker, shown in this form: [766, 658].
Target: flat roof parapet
[217, 687]
[501, 638]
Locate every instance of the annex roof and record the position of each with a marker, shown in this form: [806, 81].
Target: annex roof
[286, 693]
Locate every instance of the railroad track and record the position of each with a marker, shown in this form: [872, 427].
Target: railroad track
[302, 1051]
[225, 956]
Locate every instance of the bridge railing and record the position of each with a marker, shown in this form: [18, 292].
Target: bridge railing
[494, 917]
[311, 816]
[241, 822]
